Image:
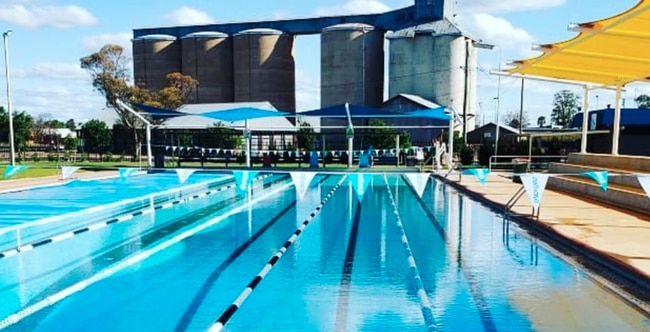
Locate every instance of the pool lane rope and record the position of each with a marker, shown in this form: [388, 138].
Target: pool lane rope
[230, 311]
[125, 217]
[425, 304]
[81, 285]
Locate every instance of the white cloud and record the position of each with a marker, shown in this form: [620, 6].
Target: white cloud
[503, 6]
[94, 43]
[354, 7]
[188, 16]
[307, 91]
[46, 16]
[498, 31]
[57, 71]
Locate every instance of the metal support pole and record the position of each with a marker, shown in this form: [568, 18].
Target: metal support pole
[12, 148]
[247, 138]
[146, 122]
[585, 121]
[397, 150]
[350, 150]
[617, 120]
[450, 143]
[521, 108]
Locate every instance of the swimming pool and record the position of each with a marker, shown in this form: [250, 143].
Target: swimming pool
[440, 262]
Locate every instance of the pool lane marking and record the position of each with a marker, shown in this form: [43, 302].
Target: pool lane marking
[198, 299]
[121, 265]
[230, 311]
[474, 287]
[343, 302]
[103, 207]
[425, 304]
[122, 218]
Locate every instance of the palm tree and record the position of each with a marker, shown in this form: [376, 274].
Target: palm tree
[541, 121]
[642, 101]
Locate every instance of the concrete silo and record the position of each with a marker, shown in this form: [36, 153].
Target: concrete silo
[154, 57]
[352, 65]
[430, 61]
[265, 68]
[208, 57]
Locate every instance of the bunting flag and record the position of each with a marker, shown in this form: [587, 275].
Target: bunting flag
[167, 148]
[243, 179]
[13, 170]
[125, 172]
[184, 174]
[644, 181]
[534, 185]
[480, 173]
[418, 181]
[174, 148]
[360, 183]
[600, 177]
[301, 181]
[66, 171]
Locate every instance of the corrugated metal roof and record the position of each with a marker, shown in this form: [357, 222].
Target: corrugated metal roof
[443, 27]
[418, 100]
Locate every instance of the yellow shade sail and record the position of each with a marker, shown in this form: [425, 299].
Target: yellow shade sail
[612, 51]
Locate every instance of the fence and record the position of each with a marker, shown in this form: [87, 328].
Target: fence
[535, 162]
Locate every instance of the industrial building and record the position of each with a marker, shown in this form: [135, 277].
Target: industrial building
[429, 57]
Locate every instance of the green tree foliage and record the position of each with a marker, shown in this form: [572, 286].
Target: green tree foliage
[220, 136]
[110, 77]
[565, 106]
[512, 119]
[70, 143]
[642, 101]
[383, 136]
[70, 124]
[306, 135]
[541, 121]
[23, 125]
[97, 136]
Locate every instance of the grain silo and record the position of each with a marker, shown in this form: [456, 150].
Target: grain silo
[154, 57]
[265, 68]
[352, 65]
[208, 58]
[429, 61]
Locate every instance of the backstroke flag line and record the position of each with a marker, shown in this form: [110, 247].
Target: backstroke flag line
[67, 171]
[600, 177]
[184, 174]
[302, 180]
[534, 185]
[13, 170]
[125, 172]
[644, 180]
[360, 183]
[418, 181]
[244, 178]
[480, 173]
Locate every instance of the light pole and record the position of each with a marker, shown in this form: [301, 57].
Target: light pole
[12, 151]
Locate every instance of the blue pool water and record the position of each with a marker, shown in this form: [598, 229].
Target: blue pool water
[180, 268]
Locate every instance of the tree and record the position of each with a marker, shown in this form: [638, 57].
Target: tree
[305, 135]
[23, 125]
[110, 77]
[642, 101]
[70, 124]
[220, 136]
[382, 136]
[565, 106]
[541, 121]
[512, 119]
[70, 143]
[97, 136]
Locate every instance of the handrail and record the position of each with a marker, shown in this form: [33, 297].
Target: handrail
[458, 167]
[493, 159]
[513, 200]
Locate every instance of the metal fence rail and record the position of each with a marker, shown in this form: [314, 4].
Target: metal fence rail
[534, 162]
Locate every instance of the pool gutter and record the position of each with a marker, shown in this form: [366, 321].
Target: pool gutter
[620, 277]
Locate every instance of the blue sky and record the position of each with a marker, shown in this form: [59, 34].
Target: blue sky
[49, 37]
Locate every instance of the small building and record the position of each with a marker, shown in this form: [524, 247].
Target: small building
[487, 134]
[634, 134]
[407, 102]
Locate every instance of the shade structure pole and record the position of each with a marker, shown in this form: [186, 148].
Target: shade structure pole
[616, 127]
[247, 138]
[349, 133]
[450, 148]
[148, 128]
[585, 121]
[148, 138]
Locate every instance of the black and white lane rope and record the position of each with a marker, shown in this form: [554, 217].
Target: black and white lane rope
[138, 257]
[125, 217]
[230, 311]
[425, 304]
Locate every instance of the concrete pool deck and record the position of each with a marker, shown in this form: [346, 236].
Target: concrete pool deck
[605, 231]
[26, 183]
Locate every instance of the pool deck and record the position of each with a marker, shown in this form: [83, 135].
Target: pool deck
[23, 184]
[619, 235]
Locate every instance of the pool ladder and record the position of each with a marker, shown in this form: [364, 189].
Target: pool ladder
[514, 199]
